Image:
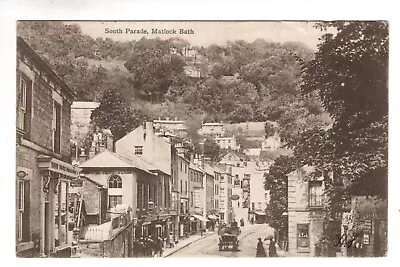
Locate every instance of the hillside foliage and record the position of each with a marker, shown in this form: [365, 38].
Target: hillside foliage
[236, 82]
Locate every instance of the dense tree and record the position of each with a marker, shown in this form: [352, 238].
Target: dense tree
[114, 113]
[154, 68]
[211, 149]
[349, 73]
[267, 73]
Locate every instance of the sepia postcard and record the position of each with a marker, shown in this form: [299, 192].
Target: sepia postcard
[178, 139]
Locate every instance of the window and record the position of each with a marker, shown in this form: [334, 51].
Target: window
[181, 166]
[315, 193]
[303, 240]
[181, 186]
[56, 127]
[186, 187]
[115, 182]
[114, 201]
[24, 103]
[21, 206]
[138, 150]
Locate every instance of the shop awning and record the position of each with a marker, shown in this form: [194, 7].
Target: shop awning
[199, 217]
[259, 213]
[213, 217]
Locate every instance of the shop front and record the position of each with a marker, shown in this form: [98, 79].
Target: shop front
[55, 235]
[196, 222]
[184, 225]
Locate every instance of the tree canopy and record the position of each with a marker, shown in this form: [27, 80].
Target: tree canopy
[211, 149]
[350, 76]
[115, 114]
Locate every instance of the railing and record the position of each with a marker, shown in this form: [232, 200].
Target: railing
[95, 235]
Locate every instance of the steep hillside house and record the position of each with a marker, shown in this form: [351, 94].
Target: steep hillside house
[227, 142]
[271, 143]
[234, 158]
[248, 129]
[43, 169]
[213, 129]
[168, 126]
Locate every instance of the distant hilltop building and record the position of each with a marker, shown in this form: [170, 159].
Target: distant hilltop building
[227, 142]
[170, 127]
[213, 129]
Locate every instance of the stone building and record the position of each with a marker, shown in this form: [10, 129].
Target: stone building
[227, 142]
[196, 198]
[132, 182]
[183, 184]
[306, 212]
[144, 143]
[213, 129]
[225, 194]
[43, 167]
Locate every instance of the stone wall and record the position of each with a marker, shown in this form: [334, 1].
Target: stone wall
[121, 245]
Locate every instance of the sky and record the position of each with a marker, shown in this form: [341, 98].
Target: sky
[207, 32]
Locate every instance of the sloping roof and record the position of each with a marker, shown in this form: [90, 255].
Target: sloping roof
[208, 169]
[194, 167]
[134, 160]
[107, 159]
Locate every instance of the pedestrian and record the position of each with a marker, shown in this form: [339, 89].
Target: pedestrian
[272, 248]
[260, 249]
[160, 246]
[171, 240]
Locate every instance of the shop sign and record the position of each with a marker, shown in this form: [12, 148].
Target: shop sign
[366, 239]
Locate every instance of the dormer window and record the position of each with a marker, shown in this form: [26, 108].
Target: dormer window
[138, 150]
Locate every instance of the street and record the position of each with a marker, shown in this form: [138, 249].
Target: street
[208, 247]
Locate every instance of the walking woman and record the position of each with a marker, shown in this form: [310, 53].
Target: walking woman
[272, 248]
[260, 249]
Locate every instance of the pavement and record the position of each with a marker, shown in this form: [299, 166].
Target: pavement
[208, 246]
[183, 243]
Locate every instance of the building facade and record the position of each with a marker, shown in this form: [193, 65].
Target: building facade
[226, 214]
[305, 212]
[43, 167]
[144, 143]
[183, 183]
[212, 129]
[227, 142]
